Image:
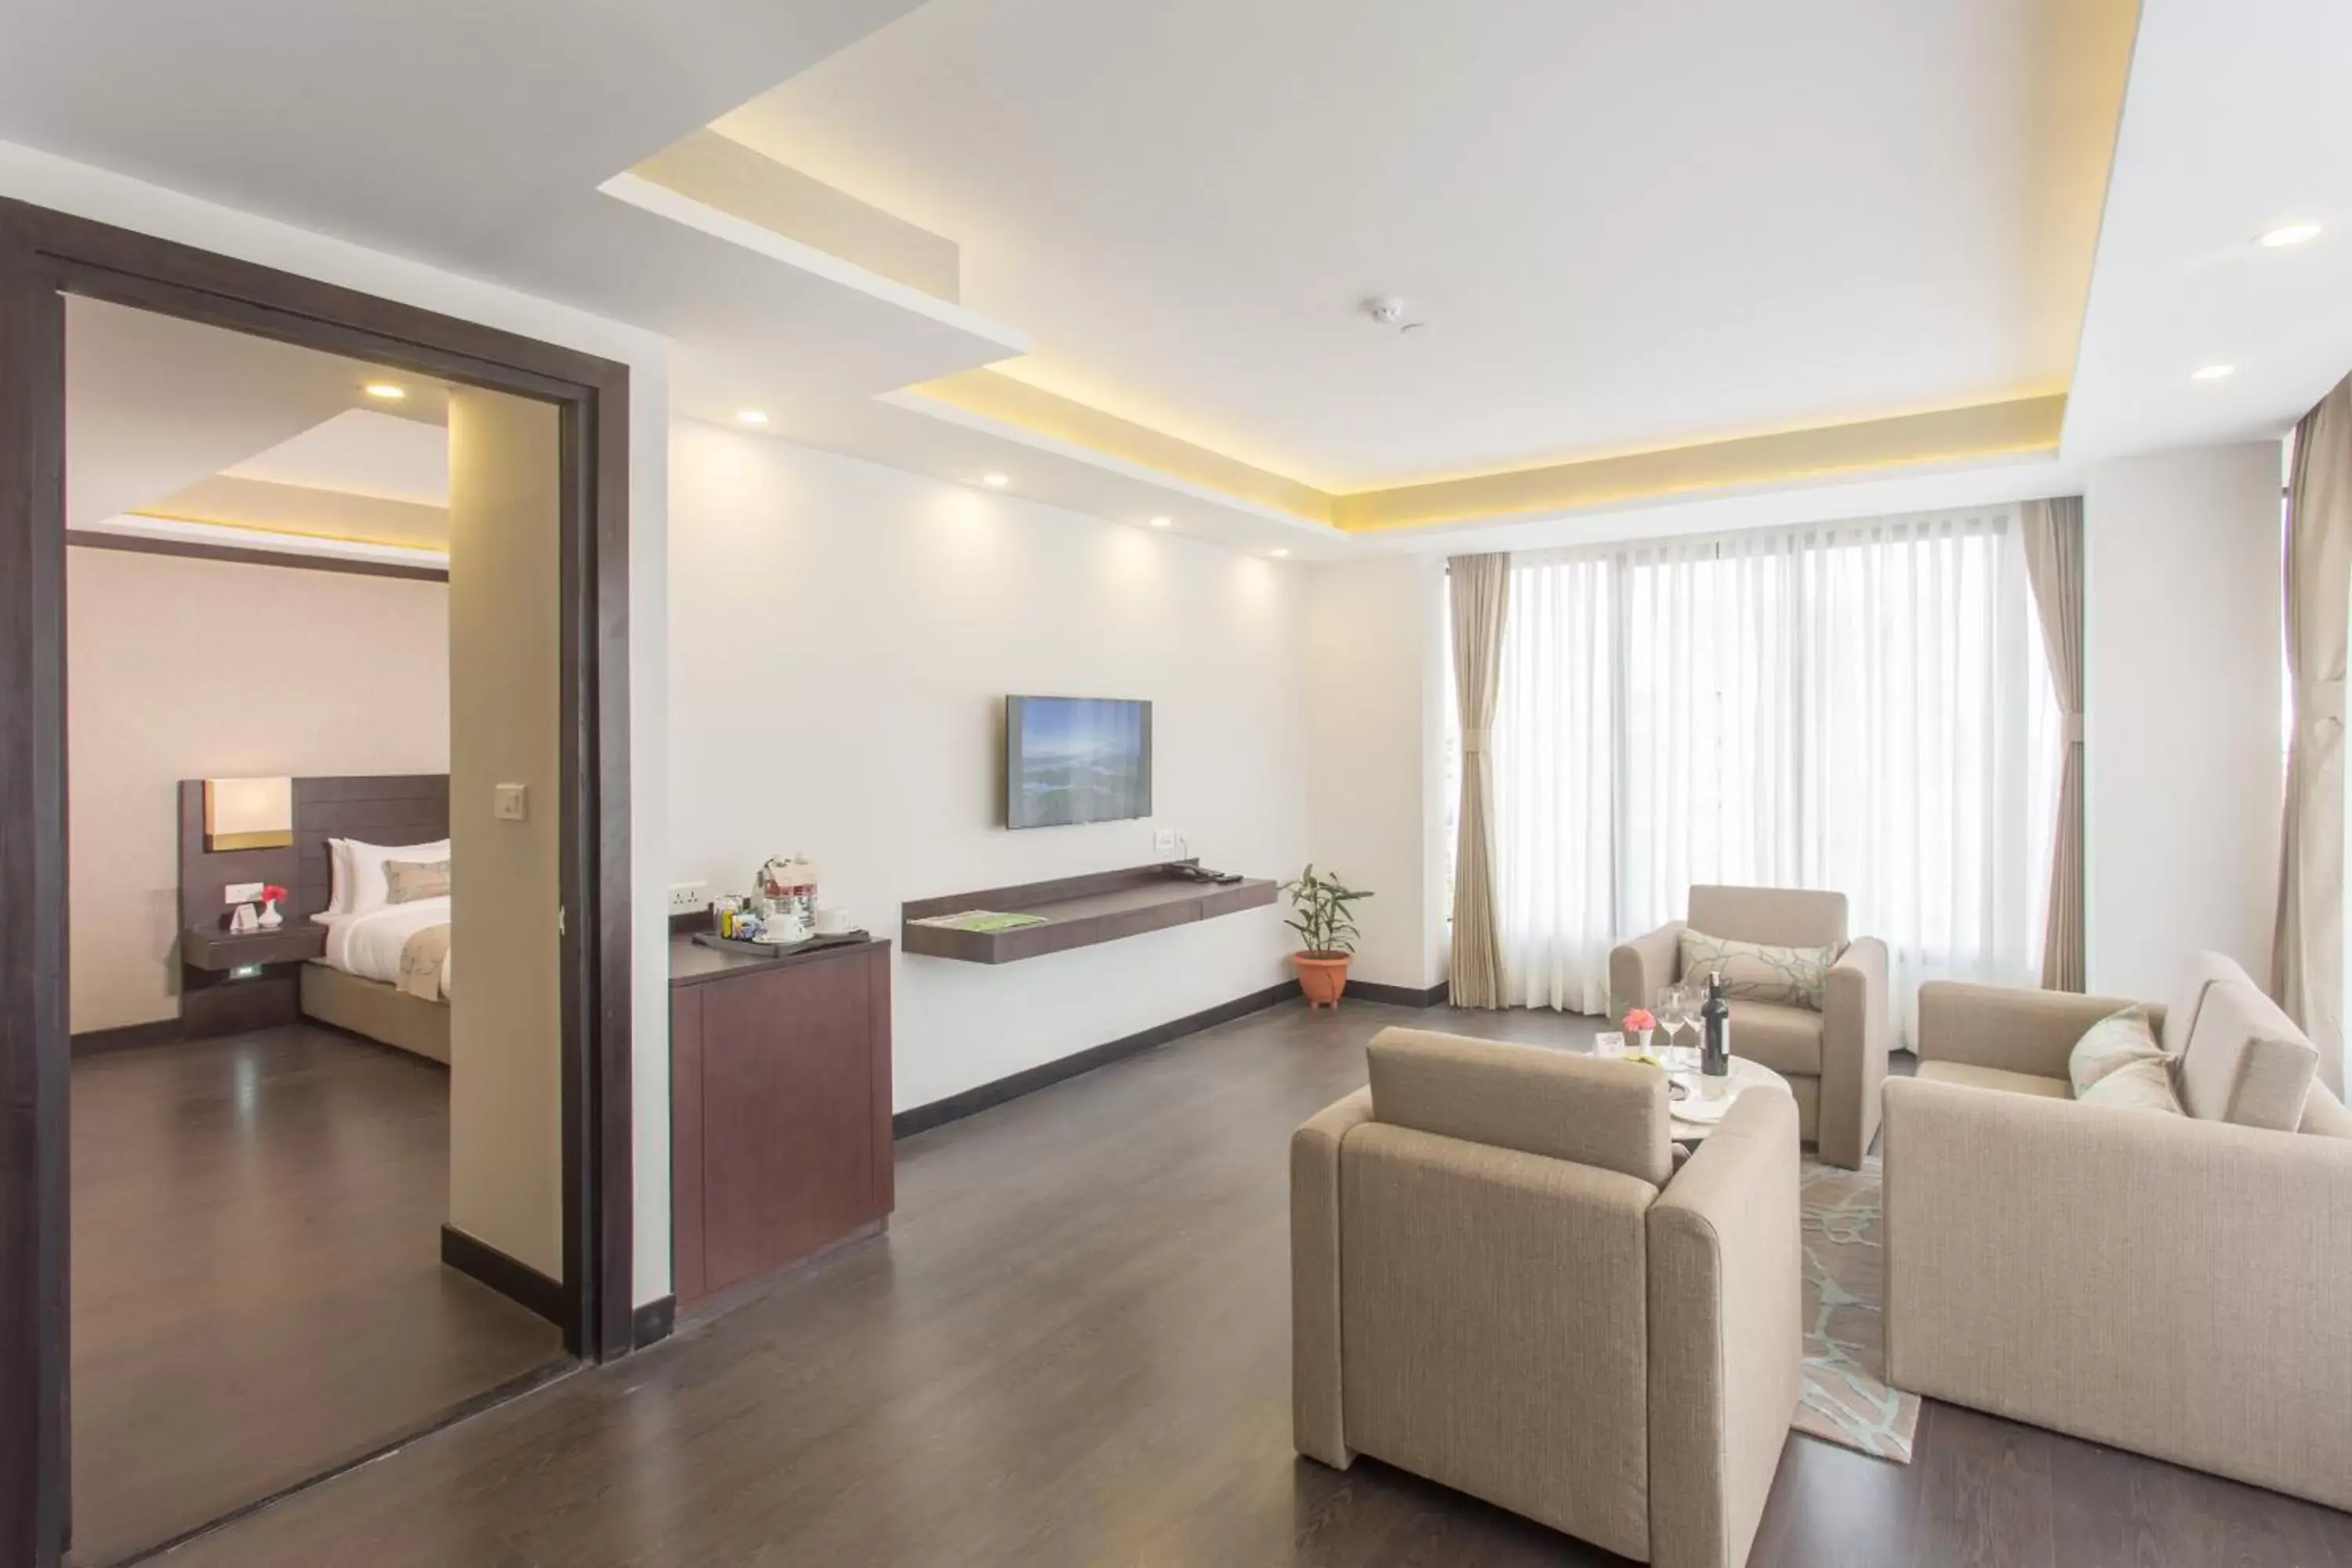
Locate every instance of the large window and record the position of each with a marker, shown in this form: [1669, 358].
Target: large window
[1862, 706]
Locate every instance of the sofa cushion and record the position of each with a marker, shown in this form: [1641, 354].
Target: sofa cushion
[1971, 1076]
[1759, 972]
[2114, 1041]
[1558, 1104]
[2246, 1062]
[2187, 995]
[1786, 1039]
[2145, 1084]
[2323, 1115]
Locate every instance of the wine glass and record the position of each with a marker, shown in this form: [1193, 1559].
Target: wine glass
[1671, 1018]
[1687, 998]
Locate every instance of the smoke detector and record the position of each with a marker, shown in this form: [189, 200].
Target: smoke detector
[1388, 312]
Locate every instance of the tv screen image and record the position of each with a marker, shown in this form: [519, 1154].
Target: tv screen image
[1076, 759]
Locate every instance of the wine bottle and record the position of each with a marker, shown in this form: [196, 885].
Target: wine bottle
[1714, 1021]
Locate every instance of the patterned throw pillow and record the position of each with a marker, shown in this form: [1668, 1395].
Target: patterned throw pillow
[2116, 1041]
[405, 882]
[2142, 1085]
[1757, 971]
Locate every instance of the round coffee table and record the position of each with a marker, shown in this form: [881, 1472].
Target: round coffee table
[1744, 1076]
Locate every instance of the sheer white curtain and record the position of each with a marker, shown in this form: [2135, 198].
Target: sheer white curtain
[1858, 706]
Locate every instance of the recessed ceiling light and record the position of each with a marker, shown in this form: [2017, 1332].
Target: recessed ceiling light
[390, 391]
[2212, 372]
[1277, 554]
[1161, 522]
[751, 416]
[994, 481]
[2292, 233]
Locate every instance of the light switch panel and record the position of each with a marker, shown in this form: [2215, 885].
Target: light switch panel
[242, 892]
[510, 803]
[1163, 841]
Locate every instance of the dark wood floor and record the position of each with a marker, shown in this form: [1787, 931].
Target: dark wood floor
[258, 1286]
[1073, 1349]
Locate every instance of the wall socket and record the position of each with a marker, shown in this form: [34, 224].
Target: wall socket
[1163, 841]
[242, 892]
[688, 898]
[510, 803]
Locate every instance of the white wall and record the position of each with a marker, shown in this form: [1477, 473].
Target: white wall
[2183, 751]
[67, 186]
[160, 686]
[1373, 664]
[841, 635]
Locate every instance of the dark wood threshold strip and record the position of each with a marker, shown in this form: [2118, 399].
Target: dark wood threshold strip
[161, 1032]
[971, 1101]
[561, 1366]
[510, 1277]
[139, 544]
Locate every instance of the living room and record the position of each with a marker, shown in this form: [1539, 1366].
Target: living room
[1346, 786]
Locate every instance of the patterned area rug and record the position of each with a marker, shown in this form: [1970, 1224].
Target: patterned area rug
[1847, 1399]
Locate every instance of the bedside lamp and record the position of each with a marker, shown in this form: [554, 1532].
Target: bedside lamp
[249, 814]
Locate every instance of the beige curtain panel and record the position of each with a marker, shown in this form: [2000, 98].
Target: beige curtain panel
[1480, 587]
[2308, 947]
[2054, 564]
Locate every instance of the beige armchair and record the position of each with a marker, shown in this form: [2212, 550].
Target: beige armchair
[2172, 1285]
[1499, 1281]
[1834, 1059]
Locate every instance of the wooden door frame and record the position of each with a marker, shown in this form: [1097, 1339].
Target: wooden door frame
[44, 255]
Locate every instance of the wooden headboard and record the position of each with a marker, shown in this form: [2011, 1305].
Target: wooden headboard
[382, 808]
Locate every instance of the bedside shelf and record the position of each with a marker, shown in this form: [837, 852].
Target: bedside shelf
[221, 951]
[1079, 911]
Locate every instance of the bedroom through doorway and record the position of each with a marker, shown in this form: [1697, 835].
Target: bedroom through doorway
[315, 698]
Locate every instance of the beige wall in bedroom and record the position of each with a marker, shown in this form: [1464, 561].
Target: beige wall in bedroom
[505, 1144]
[182, 669]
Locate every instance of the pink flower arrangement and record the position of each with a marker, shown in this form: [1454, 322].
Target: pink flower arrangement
[1638, 1019]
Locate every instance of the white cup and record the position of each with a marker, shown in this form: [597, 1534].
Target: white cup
[831, 922]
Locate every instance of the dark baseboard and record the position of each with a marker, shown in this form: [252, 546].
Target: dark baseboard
[161, 1032]
[1396, 996]
[652, 1323]
[516, 1280]
[956, 1107]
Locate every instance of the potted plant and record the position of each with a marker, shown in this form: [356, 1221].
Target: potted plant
[1326, 926]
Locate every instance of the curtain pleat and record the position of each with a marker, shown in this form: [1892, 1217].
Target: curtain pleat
[2053, 564]
[1480, 587]
[2307, 946]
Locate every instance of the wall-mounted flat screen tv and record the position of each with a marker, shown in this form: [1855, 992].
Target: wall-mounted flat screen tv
[1076, 759]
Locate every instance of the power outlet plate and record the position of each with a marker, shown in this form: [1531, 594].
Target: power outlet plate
[1163, 841]
[688, 898]
[510, 803]
[242, 892]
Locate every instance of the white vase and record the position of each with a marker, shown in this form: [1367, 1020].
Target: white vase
[270, 919]
[1641, 1042]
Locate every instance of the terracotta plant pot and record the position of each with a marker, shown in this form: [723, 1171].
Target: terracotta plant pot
[1322, 976]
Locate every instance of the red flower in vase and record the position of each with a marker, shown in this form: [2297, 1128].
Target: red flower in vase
[271, 892]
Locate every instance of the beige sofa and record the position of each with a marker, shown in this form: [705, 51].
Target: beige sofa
[1834, 1059]
[2179, 1286]
[1499, 1281]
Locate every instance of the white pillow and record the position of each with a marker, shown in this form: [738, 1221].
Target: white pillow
[360, 882]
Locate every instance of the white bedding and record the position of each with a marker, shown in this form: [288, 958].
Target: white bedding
[368, 945]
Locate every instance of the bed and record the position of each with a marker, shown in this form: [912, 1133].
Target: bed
[358, 983]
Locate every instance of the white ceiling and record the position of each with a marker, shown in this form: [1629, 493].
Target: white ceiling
[2239, 122]
[360, 452]
[1626, 225]
[195, 421]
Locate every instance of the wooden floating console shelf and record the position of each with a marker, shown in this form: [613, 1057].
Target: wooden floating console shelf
[1079, 911]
